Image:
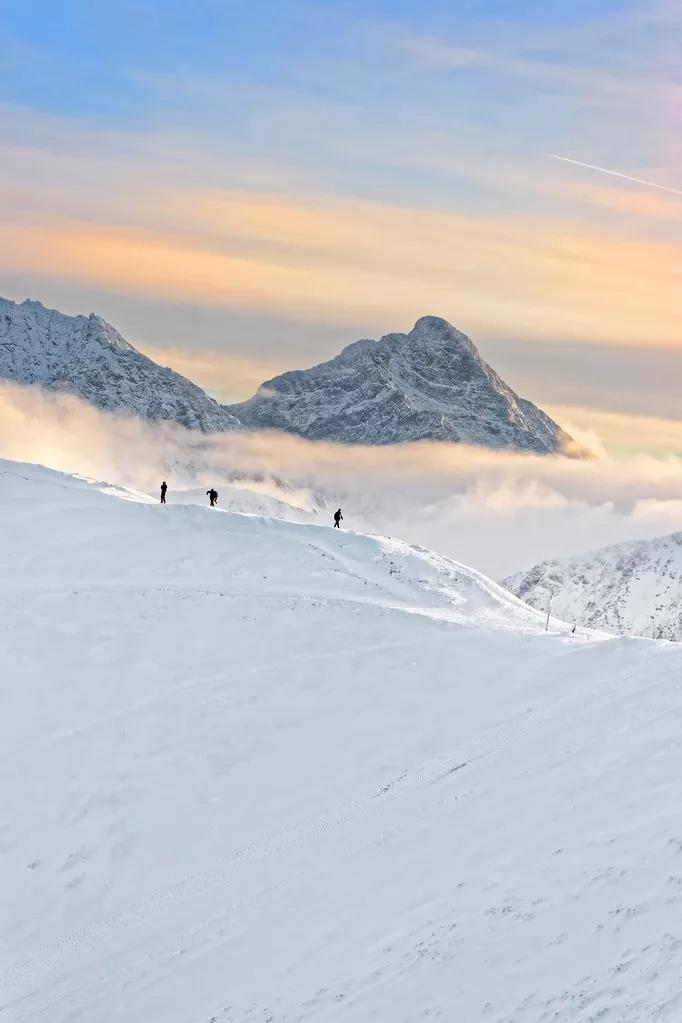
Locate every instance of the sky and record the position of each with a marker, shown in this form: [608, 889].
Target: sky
[244, 187]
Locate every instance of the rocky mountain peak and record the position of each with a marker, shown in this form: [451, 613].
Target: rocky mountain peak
[430, 383]
[86, 356]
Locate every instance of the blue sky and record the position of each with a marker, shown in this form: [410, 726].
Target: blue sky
[147, 64]
[267, 180]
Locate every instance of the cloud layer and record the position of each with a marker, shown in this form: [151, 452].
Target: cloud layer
[499, 512]
[352, 260]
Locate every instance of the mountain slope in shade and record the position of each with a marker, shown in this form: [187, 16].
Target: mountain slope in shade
[430, 384]
[86, 356]
[629, 588]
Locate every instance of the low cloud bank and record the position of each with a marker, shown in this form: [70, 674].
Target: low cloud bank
[497, 511]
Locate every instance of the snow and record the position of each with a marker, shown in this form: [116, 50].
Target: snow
[253, 769]
[245, 496]
[86, 356]
[428, 384]
[632, 588]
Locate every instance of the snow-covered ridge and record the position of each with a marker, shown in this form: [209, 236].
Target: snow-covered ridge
[86, 356]
[301, 558]
[632, 588]
[252, 770]
[429, 384]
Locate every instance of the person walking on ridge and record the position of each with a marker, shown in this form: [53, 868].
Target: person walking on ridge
[338, 517]
[212, 496]
[164, 488]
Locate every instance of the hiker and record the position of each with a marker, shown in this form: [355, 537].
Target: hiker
[164, 488]
[338, 517]
[212, 496]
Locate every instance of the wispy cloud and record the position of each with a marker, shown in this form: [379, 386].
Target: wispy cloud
[638, 204]
[349, 260]
[544, 60]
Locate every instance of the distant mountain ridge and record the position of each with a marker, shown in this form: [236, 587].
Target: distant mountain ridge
[429, 384]
[632, 588]
[86, 356]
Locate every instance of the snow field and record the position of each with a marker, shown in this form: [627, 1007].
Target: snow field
[258, 770]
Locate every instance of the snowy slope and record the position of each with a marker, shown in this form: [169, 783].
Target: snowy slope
[630, 588]
[85, 355]
[257, 770]
[428, 384]
[245, 497]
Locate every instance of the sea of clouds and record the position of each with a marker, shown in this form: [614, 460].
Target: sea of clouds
[497, 511]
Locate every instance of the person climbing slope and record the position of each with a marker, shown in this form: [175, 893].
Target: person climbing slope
[338, 517]
[164, 488]
[212, 496]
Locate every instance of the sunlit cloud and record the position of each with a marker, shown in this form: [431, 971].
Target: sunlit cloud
[496, 510]
[350, 259]
[633, 202]
[618, 434]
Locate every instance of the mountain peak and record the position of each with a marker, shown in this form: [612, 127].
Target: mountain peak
[434, 331]
[428, 384]
[429, 332]
[436, 326]
[86, 356]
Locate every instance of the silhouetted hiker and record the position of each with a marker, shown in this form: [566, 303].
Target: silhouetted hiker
[338, 517]
[164, 488]
[212, 496]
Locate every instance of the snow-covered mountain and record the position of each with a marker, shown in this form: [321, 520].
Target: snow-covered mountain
[428, 384]
[630, 588]
[86, 356]
[259, 770]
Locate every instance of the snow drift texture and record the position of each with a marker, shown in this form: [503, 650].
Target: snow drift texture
[428, 384]
[258, 770]
[630, 588]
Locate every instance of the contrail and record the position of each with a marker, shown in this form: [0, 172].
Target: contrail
[616, 174]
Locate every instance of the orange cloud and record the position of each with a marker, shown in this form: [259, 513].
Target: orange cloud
[620, 434]
[632, 201]
[345, 260]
